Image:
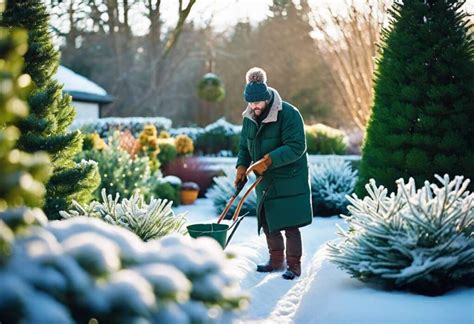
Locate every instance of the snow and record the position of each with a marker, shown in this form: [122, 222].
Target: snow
[75, 82]
[323, 293]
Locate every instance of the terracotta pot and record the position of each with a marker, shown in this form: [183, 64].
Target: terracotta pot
[193, 169]
[188, 196]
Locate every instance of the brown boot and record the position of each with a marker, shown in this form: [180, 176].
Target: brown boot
[294, 268]
[275, 263]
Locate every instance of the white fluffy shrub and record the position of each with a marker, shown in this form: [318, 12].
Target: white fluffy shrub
[331, 181]
[81, 268]
[223, 189]
[416, 239]
[147, 220]
[106, 126]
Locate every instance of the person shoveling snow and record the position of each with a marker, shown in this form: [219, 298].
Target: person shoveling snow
[273, 138]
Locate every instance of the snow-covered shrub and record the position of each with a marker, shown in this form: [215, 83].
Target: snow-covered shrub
[148, 220]
[322, 139]
[73, 270]
[106, 126]
[416, 239]
[191, 132]
[119, 172]
[223, 189]
[218, 138]
[331, 181]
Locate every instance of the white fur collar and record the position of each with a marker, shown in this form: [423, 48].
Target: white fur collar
[274, 109]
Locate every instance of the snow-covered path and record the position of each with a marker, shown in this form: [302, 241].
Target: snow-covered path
[323, 293]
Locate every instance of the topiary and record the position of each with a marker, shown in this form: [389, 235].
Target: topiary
[211, 88]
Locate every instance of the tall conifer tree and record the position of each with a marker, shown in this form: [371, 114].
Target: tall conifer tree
[422, 121]
[45, 129]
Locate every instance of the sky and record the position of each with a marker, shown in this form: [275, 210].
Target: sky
[224, 14]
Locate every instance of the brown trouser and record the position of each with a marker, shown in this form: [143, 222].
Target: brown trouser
[275, 239]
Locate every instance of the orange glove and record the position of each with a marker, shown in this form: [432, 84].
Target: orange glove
[261, 165]
[240, 175]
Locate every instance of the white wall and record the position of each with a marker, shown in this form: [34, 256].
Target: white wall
[86, 110]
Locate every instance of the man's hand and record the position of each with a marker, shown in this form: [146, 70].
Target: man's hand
[240, 175]
[261, 165]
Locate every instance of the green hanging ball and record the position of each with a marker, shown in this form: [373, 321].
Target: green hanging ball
[211, 88]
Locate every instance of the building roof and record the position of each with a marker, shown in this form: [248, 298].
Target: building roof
[81, 88]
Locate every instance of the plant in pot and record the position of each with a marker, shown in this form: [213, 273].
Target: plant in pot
[189, 192]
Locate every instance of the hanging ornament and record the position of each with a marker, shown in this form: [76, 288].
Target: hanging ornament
[211, 88]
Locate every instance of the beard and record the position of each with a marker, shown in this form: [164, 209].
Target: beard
[258, 112]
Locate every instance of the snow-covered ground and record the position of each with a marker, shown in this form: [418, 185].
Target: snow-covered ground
[323, 293]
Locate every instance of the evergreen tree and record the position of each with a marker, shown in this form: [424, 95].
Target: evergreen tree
[21, 174]
[422, 119]
[45, 128]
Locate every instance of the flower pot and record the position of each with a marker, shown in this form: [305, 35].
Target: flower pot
[188, 196]
[193, 169]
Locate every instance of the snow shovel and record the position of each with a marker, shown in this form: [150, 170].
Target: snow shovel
[219, 231]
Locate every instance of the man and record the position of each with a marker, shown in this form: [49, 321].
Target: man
[273, 144]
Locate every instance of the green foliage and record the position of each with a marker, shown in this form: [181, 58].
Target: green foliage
[45, 128]
[211, 88]
[322, 139]
[422, 118]
[164, 190]
[119, 173]
[21, 174]
[415, 239]
[167, 151]
[216, 138]
[88, 142]
[147, 220]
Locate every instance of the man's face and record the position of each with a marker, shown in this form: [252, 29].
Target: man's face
[257, 107]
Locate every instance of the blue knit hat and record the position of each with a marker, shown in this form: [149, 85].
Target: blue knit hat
[256, 88]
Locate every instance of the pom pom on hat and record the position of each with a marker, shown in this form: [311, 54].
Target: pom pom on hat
[256, 74]
[256, 87]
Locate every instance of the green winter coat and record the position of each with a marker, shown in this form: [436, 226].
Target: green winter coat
[285, 190]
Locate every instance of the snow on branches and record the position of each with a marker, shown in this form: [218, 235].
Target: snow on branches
[416, 239]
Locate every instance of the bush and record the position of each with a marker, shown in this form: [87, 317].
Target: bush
[223, 189]
[73, 270]
[217, 138]
[120, 174]
[331, 181]
[148, 146]
[191, 132]
[184, 145]
[106, 126]
[168, 150]
[165, 190]
[322, 139]
[148, 220]
[417, 239]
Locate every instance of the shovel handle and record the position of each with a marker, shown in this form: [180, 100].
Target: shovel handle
[241, 202]
[239, 206]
